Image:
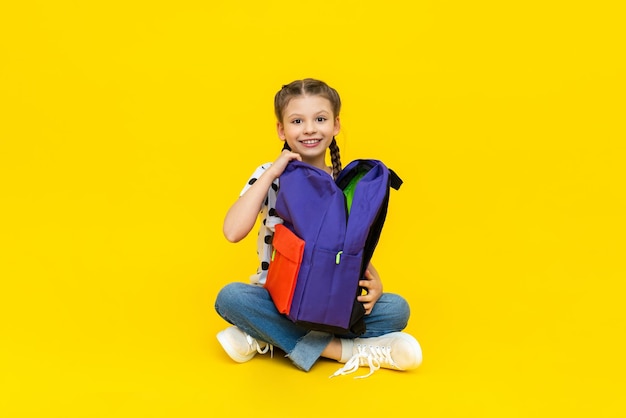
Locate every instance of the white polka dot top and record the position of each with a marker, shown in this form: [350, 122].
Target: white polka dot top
[268, 219]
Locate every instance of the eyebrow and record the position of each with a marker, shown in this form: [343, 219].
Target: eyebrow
[318, 113]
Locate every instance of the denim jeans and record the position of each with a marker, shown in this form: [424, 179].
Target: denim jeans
[252, 310]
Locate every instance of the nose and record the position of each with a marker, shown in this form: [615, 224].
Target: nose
[309, 127]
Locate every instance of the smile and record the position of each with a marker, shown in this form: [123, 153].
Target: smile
[310, 141]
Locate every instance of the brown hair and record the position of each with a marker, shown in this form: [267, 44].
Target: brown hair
[311, 87]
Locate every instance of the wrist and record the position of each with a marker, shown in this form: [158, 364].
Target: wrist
[273, 172]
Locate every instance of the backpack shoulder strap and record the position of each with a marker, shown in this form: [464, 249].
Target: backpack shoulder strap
[394, 180]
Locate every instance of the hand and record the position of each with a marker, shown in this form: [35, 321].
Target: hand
[373, 287]
[281, 162]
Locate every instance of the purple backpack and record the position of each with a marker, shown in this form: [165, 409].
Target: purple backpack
[340, 223]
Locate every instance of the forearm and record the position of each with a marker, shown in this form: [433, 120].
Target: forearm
[242, 215]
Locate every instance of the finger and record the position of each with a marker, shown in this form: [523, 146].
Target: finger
[365, 298]
[294, 156]
[290, 155]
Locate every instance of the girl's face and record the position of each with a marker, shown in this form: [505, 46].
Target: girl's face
[308, 126]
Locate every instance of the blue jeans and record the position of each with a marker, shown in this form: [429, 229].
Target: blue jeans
[252, 310]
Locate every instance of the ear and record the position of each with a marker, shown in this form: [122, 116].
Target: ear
[337, 126]
[280, 129]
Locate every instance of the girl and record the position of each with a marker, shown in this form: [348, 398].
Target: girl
[307, 113]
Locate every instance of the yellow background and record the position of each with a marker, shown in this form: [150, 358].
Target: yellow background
[128, 128]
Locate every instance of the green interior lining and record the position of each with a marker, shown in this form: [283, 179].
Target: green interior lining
[349, 189]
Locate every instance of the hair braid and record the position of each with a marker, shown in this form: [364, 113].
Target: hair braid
[335, 158]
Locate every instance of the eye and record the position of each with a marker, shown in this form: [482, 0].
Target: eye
[296, 121]
[321, 119]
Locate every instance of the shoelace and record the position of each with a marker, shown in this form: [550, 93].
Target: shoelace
[372, 356]
[252, 342]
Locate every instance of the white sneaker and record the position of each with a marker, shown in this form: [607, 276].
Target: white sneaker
[240, 346]
[397, 351]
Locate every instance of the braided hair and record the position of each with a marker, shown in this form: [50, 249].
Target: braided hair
[312, 87]
[335, 158]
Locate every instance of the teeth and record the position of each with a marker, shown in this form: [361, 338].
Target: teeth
[310, 141]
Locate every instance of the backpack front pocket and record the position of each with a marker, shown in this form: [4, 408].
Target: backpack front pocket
[284, 267]
[330, 288]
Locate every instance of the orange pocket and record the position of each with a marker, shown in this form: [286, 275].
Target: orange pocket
[284, 267]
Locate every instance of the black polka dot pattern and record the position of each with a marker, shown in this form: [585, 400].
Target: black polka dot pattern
[268, 219]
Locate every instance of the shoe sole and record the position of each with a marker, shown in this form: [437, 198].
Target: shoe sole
[232, 353]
